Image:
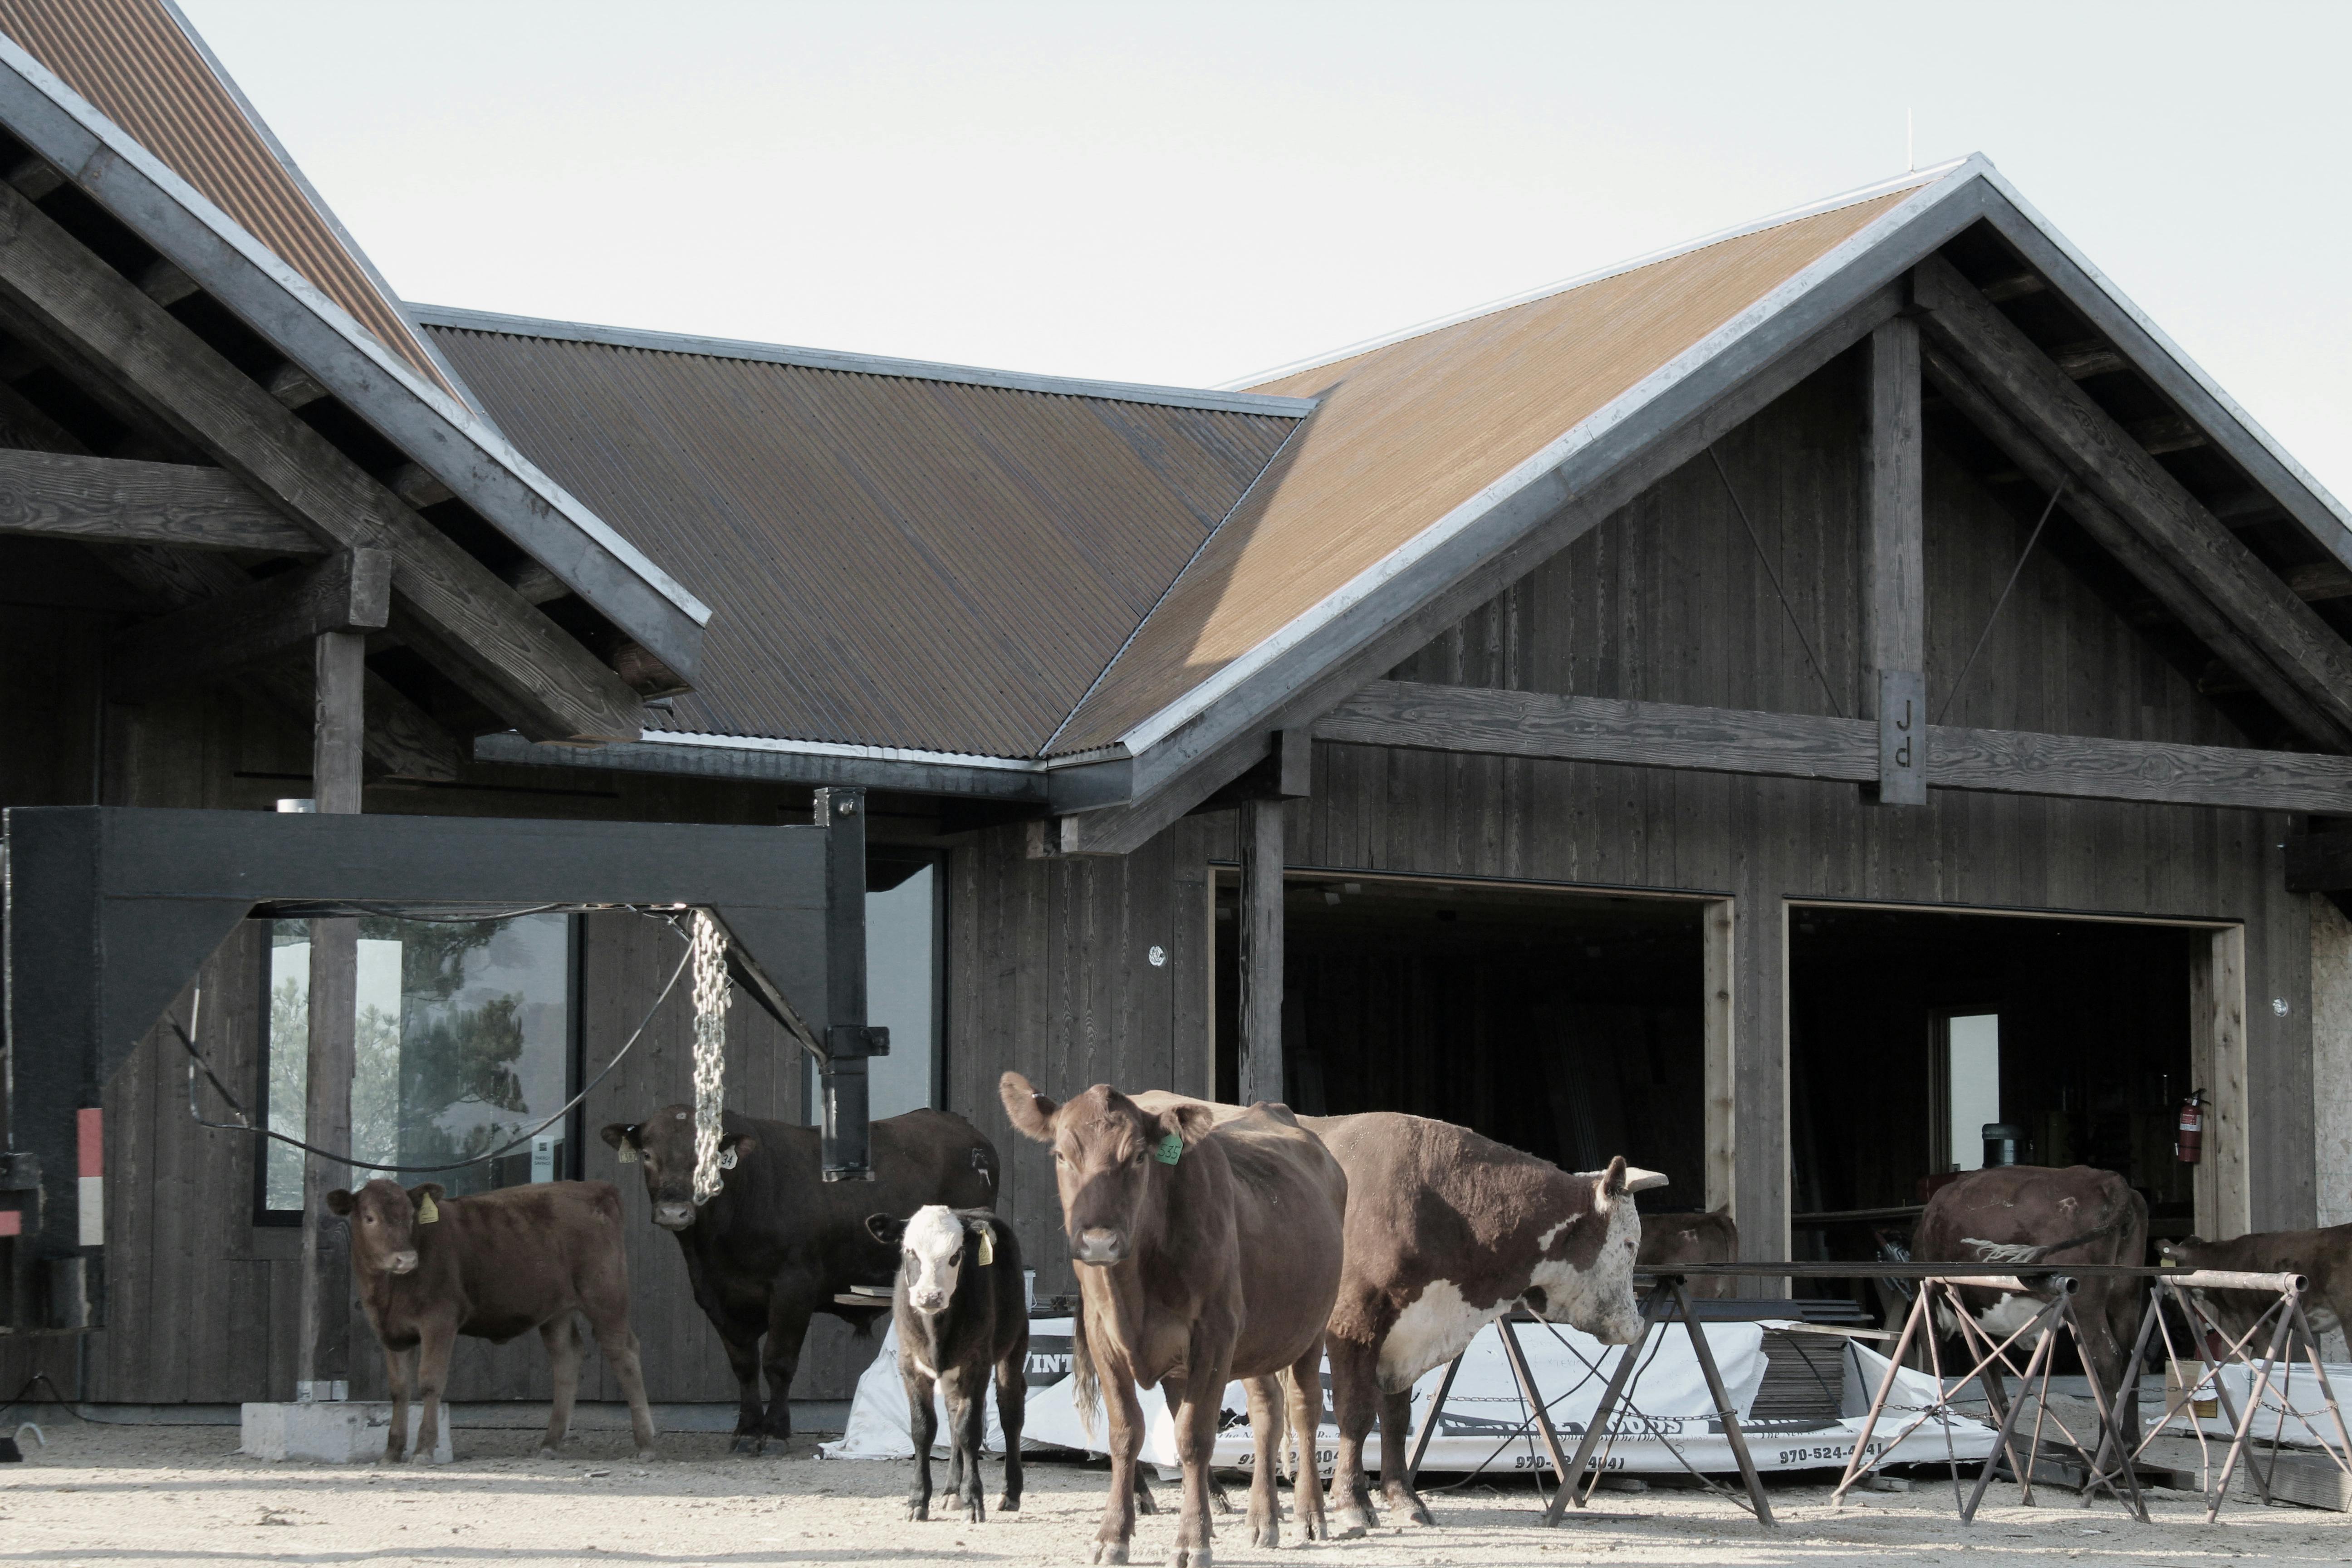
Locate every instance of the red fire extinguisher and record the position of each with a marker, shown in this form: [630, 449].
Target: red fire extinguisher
[2189, 1140]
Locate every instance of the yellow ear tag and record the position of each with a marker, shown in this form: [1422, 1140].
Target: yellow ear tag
[428, 1211]
[987, 1246]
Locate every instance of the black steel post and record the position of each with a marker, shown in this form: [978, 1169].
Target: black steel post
[848, 1041]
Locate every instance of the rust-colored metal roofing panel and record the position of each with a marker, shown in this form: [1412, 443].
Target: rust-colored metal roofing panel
[135, 64]
[1409, 431]
[890, 560]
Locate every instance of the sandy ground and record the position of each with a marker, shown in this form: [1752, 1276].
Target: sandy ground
[182, 1496]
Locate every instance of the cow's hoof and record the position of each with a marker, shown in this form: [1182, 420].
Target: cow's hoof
[645, 1456]
[919, 1510]
[1265, 1532]
[1108, 1552]
[1354, 1522]
[1218, 1500]
[1189, 1557]
[745, 1442]
[1008, 1504]
[1143, 1503]
[973, 1514]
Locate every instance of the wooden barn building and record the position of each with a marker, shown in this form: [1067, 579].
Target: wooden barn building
[1768, 710]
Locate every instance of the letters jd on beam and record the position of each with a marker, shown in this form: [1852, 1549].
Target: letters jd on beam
[110, 911]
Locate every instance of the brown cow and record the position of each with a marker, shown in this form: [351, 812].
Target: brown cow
[1446, 1231]
[1672, 1240]
[2324, 1258]
[430, 1268]
[1206, 1253]
[2038, 1218]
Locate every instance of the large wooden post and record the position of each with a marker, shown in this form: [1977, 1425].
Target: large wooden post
[324, 1366]
[1260, 951]
[1894, 686]
[2217, 1042]
[1719, 962]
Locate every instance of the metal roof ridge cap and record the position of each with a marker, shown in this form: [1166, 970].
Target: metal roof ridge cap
[708, 741]
[110, 140]
[1220, 400]
[310, 192]
[2163, 341]
[1918, 178]
[1156, 727]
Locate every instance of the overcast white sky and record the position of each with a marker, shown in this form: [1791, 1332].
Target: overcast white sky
[1188, 192]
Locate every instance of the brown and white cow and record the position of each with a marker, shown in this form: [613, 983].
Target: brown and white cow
[430, 1268]
[1207, 1252]
[1446, 1231]
[2324, 1258]
[1673, 1240]
[2038, 1218]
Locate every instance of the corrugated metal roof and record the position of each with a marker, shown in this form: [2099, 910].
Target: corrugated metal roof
[135, 64]
[1409, 431]
[890, 560]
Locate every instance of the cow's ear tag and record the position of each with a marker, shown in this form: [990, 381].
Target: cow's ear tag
[1170, 1149]
[987, 1245]
[626, 1154]
[727, 1159]
[428, 1211]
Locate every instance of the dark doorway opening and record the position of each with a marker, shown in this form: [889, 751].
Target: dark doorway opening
[1567, 1024]
[1907, 1027]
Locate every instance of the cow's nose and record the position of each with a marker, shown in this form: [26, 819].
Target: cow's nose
[928, 1301]
[1100, 1244]
[403, 1262]
[673, 1216]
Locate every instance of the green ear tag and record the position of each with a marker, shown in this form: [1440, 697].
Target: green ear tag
[1170, 1149]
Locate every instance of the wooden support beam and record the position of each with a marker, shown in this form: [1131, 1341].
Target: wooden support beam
[2321, 580]
[414, 485]
[2080, 362]
[106, 500]
[548, 686]
[2170, 585]
[164, 283]
[1718, 1031]
[1788, 746]
[1260, 829]
[348, 593]
[1894, 560]
[2122, 475]
[294, 386]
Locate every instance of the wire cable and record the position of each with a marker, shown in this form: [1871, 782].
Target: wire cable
[1774, 578]
[2032, 540]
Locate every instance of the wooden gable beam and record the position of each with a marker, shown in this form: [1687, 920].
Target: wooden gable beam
[109, 500]
[1894, 682]
[2106, 460]
[350, 591]
[1789, 745]
[456, 610]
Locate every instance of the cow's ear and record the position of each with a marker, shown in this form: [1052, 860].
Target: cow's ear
[742, 1143]
[1608, 1186]
[1028, 1111]
[890, 1231]
[338, 1202]
[1189, 1124]
[623, 1137]
[423, 1192]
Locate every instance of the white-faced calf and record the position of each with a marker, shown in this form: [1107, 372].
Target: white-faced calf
[430, 1267]
[958, 1313]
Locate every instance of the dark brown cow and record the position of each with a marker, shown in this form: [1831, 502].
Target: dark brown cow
[1446, 1231]
[2324, 1258]
[2036, 1217]
[1672, 1240]
[779, 1242]
[430, 1268]
[1207, 1252]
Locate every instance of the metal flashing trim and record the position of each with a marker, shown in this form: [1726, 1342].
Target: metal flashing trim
[1599, 275]
[1216, 400]
[1545, 464]
[875, 767]
[444, 437]
[839, 749]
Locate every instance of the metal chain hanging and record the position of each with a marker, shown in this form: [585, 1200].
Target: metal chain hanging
[712, 992]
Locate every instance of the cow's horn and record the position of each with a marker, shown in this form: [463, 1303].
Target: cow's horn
[1638, 1180]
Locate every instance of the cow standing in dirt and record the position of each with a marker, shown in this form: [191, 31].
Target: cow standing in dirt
[1207, 1252]
[430, 1268]
[2324, 1258]
[961, 1314]
[2038, 1220]
[779, 1242]
[1446, 1231]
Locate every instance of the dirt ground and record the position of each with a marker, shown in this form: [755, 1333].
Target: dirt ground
[102, 1496]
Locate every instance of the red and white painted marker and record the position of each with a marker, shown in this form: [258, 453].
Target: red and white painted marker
[90, 1139]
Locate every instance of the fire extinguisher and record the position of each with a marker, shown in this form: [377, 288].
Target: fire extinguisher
[2189, 1140]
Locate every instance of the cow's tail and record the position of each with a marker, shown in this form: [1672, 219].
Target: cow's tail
[1086, 1386]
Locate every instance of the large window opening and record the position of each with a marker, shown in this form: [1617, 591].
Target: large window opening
[1911, 1032]
[1568, 1024]
[464, 1037]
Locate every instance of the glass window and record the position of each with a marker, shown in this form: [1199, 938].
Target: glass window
[901, 991]
[464, 1038]
[1972, 1085]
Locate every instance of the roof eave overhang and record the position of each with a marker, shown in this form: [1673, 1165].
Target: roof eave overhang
[438, 433]
[1263, 689]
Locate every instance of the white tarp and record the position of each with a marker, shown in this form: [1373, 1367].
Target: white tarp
[1485, 1423]
[2294, 1409]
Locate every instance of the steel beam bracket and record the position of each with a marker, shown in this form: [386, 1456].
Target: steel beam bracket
[846, 1042]
[20, 1171]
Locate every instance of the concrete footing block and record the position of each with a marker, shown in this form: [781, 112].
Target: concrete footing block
[338, 1432]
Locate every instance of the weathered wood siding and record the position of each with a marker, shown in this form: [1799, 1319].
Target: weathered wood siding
[1665, 601]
